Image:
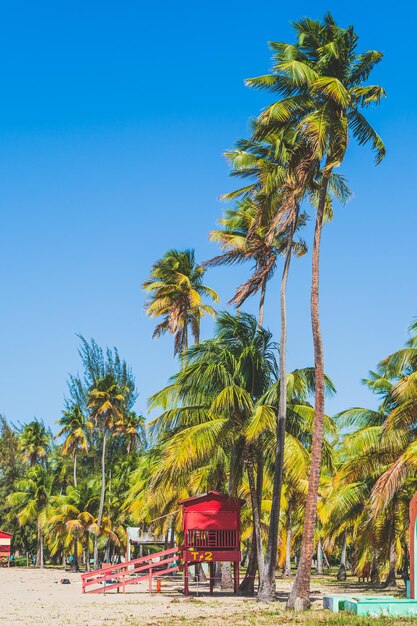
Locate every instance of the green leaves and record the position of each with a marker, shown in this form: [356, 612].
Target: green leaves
[364, 133]
[322, 80]
[299, 72]
[333, 88]
[365, 96]
[363, 66]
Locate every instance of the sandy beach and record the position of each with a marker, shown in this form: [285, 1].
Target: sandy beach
[36, 597]
[33, 597]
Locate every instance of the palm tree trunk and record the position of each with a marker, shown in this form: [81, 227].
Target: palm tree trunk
[375, 579]
[266, 591]
[199, 573]
[341, 574]
[101, 506]
[107, 552]
[319, 557]
[247, 586]
[405, 565]
[255, 511]
[299, 596]
[226, 581]
[287, 568]
[74, 566]
[87, 555]
[41, 550]
[218, 574]
[75, 469]
[262, 304]
[391, 580]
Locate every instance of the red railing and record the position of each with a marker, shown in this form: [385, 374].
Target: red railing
[118, 576]
[213, 539]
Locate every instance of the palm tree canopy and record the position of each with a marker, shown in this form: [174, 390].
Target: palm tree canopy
[321, 80]
[34, 442]
[177, 295]
[75, 428]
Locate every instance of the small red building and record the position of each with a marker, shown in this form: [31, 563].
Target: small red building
[211, 526]
[5, 543]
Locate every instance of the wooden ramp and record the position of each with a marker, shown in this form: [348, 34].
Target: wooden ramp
[116, 577]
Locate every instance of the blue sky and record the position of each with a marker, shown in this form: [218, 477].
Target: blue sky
[113, 121]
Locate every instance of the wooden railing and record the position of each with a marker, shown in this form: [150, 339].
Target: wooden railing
[118, 576]
[213, 539]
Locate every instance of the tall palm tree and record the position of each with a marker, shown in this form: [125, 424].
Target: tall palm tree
[321, 79]
[280, 181]
[76, 428]
[106, 402]
[34, 442]
[176, 293]
[31, 501]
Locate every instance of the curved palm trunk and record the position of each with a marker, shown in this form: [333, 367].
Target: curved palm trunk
[299, 596]
[101, 506]
[266, 591]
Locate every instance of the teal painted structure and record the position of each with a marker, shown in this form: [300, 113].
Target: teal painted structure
[336, 603]
[377, 607]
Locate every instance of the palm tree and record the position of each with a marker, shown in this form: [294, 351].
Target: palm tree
[72, 521]
[34, 442]
[106, 402]
[322, 80]
[219, 390]
[132, 427]
[31, 501]
[220, 412]
[75, 427]
[176, 294]
[243, 239]
[280, 181]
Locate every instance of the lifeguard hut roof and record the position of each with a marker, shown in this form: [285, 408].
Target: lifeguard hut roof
[3, 535]
[211, 495]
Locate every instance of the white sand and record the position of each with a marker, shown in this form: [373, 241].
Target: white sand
[29, 597]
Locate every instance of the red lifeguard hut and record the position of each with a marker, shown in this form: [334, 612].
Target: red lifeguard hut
[211, 526]
[5, 543]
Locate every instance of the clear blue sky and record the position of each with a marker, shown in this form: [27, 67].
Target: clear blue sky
[113, 120]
